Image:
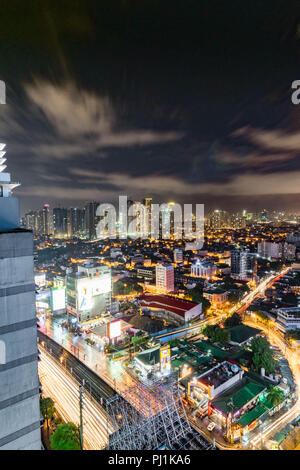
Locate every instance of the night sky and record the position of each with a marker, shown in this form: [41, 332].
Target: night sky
[178, 100]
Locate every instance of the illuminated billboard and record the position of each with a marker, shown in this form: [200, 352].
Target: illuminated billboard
[165, 358]
[114, 329]
[40, 279]
[58, 299]
[89, 289]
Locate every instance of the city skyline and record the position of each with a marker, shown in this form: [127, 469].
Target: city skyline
[126, 98]
[150, 228]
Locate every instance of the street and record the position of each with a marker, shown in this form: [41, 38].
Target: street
[64, 390]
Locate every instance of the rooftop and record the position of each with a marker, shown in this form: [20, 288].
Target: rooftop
[150, 356]
[240, 395]
[167, 302]
[220, 374]
[241, 333]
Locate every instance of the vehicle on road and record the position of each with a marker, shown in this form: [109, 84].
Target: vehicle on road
[211, 426]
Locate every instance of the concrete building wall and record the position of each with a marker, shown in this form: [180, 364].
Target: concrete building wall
[19, 383]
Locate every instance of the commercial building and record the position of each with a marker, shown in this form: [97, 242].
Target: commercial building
[89, 291]
[289, 318]
[156, 359]
[171, 308]
[217, 296]
[146, 274]
[165, 277]
[19, 383]
[240, 406]
[216, 380]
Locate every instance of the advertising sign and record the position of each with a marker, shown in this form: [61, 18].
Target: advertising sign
[165, 358]
[88, 289]
[40, 279]
[114, 329]
[58, 299]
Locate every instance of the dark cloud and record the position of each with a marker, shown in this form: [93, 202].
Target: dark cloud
[180, 100]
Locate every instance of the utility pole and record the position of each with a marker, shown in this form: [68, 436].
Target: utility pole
[80, 416]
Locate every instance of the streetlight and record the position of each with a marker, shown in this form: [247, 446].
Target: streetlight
[231, 404]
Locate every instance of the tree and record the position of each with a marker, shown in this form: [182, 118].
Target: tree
[216, 334]
[196, 295]
[126, 286]
[262, 317]
[262, 355]
[128, 305]
[47, 409]
[66, 437]
[234, 320]
[233, 297]
[276, 396]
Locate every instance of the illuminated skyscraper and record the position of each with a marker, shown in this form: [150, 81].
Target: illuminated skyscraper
[76, 221]
[91, 219]
[147, 203]
[60, 221]
[243, 264]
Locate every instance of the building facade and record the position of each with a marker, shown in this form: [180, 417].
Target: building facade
[165, 277]
[88, 292]
[19, 382]
[204, 269]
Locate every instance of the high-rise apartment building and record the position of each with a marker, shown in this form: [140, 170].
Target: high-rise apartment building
[148, 203]
[46, 220]
[273, 250]
[60, 222]
[19, 383]
[165, 277]
[91, 219]
[76, 218]
[243, 264]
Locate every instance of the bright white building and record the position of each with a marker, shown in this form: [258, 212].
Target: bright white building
[205, 269]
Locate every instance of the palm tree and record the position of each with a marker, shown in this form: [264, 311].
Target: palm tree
[276, 396]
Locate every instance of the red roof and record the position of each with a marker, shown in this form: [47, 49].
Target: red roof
[166, 302]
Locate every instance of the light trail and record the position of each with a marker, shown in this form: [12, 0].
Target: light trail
[293, 360]
[115, 375]
[64, 390]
